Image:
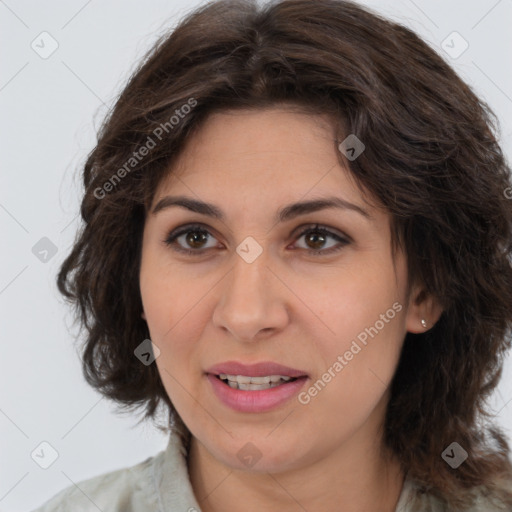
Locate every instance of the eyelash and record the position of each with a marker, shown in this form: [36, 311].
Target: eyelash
[316, 228]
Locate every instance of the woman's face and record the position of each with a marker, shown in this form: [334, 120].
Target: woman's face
[263, 285]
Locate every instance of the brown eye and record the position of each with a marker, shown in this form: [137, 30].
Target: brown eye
[196, 238]
[193, 239]
[316, 238]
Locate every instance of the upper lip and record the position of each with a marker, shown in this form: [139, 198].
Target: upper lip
[261, 369]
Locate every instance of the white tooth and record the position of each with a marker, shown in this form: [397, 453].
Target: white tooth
[260, 380]
[246, 380]
[232, 384]
[254, 387]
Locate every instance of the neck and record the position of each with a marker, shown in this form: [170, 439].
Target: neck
[352, 478]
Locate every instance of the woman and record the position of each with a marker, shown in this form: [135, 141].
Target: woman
[297, 240]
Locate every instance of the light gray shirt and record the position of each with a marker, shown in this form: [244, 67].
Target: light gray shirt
[161, 484]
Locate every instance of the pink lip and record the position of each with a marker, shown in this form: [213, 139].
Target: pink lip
[255, 401]
[255, 370]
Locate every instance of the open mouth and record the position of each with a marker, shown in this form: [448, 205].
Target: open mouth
[246, 383]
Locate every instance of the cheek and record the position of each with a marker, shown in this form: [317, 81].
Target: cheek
[170, 314]
[174, 325]
[353, 382]
[178, 363]
[353, 302]
[360, 350]
[169, 298]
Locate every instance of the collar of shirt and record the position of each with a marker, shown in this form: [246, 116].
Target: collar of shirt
[171, 478]
[170, 475]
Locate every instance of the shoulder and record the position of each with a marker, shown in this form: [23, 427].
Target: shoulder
[484, 499]
[498, 498]
[130, 489]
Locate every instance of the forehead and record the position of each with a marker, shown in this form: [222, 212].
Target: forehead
[278, 152]
[237, 131]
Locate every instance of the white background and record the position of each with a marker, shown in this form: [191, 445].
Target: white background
[50, 109]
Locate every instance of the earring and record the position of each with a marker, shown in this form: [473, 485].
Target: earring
[424, 323]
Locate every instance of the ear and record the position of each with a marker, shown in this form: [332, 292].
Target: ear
[422, 306]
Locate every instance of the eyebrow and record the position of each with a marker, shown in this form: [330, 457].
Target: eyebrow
[284, 214]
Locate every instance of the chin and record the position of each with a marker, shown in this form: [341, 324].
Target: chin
[259, 455]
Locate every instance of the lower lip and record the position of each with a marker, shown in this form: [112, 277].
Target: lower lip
[255, 401]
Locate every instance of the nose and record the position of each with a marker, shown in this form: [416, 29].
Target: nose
[252, 301]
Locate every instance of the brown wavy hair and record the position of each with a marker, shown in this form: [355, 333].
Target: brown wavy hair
[432, 159]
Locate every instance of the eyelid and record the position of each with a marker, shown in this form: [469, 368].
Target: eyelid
[312, 226]
[298, 232]
[173, 234]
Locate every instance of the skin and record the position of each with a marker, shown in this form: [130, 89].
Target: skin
[289, 306]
